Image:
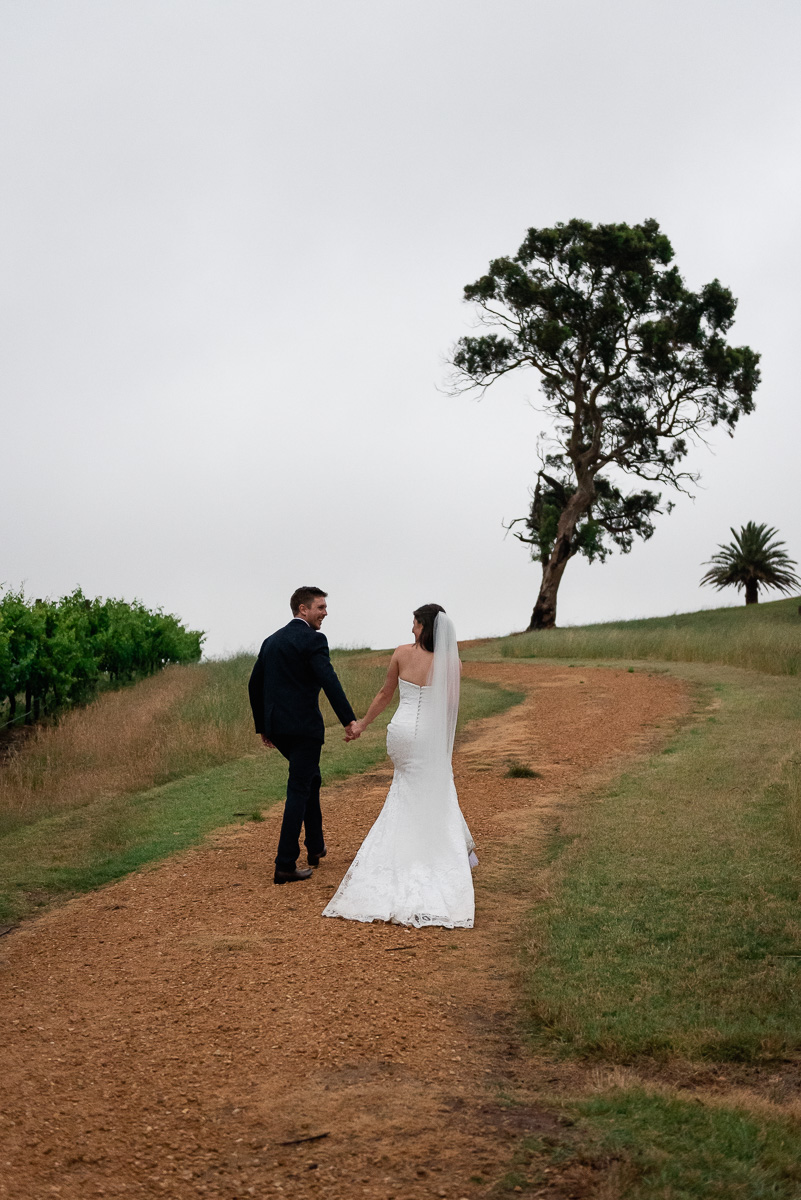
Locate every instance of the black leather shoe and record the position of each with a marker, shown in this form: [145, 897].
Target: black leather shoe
[314, 859]
[292, 876]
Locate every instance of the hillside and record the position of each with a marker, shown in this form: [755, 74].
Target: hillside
[763, 637]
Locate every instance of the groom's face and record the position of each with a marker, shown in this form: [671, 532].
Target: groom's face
[315, 613]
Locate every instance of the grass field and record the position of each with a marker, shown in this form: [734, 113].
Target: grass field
[762, 637]
[671, 935]
[668, 1147]
[675, 928]
[83, 818]
[648, 1143]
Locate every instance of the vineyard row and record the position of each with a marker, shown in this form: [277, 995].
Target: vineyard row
[58, 653]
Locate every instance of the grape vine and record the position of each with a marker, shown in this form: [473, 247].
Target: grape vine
[55, 654]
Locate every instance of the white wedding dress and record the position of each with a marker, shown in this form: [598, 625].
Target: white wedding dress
[414, 866]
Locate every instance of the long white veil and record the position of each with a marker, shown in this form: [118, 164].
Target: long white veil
[444, 679]
[434, 795]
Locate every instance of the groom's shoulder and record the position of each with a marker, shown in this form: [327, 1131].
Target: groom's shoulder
[307, 642]
[303, 635]
[280, 635]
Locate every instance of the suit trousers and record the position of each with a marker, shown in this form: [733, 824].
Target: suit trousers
[302, 799]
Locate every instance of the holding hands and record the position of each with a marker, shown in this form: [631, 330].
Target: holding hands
[352, 731]
[380, 702]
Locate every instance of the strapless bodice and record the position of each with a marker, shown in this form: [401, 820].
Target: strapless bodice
[412, 705]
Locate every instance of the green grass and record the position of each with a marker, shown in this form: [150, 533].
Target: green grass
[763, 637]
[84, 847]
[638, 1143]
[683, 1149]
[677, 905]
[792, 783]
[480, 699]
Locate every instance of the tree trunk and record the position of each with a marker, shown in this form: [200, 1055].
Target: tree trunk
[752, 591]
[544, 614]
[28, 698]
[12, 707]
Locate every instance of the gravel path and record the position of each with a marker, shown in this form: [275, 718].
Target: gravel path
[195, 1031]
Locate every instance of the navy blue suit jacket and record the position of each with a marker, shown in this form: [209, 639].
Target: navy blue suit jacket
[284, 687]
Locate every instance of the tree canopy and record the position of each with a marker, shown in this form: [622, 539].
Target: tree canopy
[633, 367]
[753, 560]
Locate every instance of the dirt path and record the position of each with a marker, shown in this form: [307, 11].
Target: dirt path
[194, 1030]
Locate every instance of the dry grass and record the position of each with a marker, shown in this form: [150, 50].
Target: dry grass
[177, 723]
[123, 742]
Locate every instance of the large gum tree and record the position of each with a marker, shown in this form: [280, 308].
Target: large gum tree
[633, 367]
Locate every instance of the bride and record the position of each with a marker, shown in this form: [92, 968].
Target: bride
[413, 868]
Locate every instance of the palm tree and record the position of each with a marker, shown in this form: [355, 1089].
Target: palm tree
[750, 560]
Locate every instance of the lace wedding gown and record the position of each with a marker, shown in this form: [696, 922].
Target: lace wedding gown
[413, 868]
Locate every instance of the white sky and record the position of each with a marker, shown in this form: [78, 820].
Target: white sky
[235, 236]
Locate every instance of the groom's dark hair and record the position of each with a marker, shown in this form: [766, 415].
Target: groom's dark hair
[427, 615]
[303, 595]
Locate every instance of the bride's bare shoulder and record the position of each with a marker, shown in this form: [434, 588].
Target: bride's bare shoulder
[401, 652]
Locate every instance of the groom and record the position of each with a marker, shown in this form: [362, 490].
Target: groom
[284, 688]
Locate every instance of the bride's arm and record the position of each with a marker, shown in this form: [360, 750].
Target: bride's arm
[383, 697]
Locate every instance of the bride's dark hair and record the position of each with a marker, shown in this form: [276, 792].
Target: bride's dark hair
[427, 615]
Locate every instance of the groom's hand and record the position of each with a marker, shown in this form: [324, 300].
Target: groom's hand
[352, 731]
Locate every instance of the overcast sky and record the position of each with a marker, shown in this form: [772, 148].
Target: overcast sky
[235, 236]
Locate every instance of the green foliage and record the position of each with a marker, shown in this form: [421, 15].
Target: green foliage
[752, 560]
[610, 519]
[57, 653]
[614, 332]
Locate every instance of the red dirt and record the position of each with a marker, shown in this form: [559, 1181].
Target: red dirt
[194, 1030]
